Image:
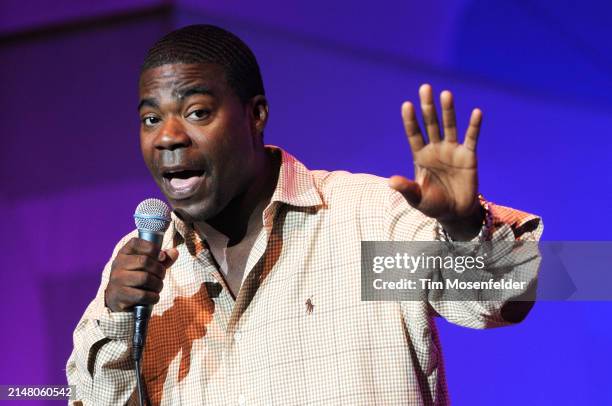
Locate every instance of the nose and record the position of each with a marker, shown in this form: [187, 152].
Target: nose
[172, 136]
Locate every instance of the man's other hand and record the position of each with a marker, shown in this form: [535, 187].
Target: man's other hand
[446, 177]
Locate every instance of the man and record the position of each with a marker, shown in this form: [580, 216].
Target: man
[257, 287]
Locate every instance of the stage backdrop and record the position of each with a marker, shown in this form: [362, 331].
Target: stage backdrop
[335, 74]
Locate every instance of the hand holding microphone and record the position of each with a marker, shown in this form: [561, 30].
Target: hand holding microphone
[137, 275]
[138, 271]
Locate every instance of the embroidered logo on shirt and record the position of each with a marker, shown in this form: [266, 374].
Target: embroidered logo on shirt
[309, 306]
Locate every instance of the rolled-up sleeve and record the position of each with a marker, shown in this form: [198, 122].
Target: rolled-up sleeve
[511, 252]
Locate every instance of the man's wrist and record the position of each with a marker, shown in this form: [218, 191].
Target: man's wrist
[470, 227]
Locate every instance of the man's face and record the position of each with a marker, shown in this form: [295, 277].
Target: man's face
[196, 137]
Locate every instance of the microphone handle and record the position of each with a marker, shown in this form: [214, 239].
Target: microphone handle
[142, 313]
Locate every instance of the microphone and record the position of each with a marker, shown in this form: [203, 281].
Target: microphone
[152, 218]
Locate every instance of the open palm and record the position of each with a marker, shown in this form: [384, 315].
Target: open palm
[446, 178]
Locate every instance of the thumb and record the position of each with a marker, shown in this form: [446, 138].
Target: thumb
[408, 188]
[168, 257]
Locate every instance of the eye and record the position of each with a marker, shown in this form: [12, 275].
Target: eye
[150, 121]
[199, 114]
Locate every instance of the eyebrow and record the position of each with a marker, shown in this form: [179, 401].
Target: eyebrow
[149, 103]
[190, 91]
[179, 94]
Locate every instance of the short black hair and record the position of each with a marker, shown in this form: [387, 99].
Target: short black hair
[203, 43]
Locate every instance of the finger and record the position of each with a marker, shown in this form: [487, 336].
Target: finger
[135, 296]
[471, 135]
[429, 113]
[448, 116]
[138, 246]
[408, 188]
[143, 280]
[168, 257]
[411, 126]
[144, 263]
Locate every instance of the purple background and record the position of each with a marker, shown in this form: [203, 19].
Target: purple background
[335, 74]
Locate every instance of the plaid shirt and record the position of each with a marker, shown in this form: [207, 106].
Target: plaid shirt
[298, 332]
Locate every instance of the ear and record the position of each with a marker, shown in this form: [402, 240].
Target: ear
[258, 114]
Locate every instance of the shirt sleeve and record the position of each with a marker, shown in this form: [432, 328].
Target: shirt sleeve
[512, 249]
[100, 365]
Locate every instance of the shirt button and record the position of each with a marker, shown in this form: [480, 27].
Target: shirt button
[237, 336]
[241, 400]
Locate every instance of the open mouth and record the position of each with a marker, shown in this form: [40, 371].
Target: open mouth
[182, 183]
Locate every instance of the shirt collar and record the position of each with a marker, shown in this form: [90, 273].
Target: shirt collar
[295, 187]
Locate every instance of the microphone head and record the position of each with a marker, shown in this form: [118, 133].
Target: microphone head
[152, 215]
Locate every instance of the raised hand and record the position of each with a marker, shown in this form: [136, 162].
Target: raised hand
[446, 176]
